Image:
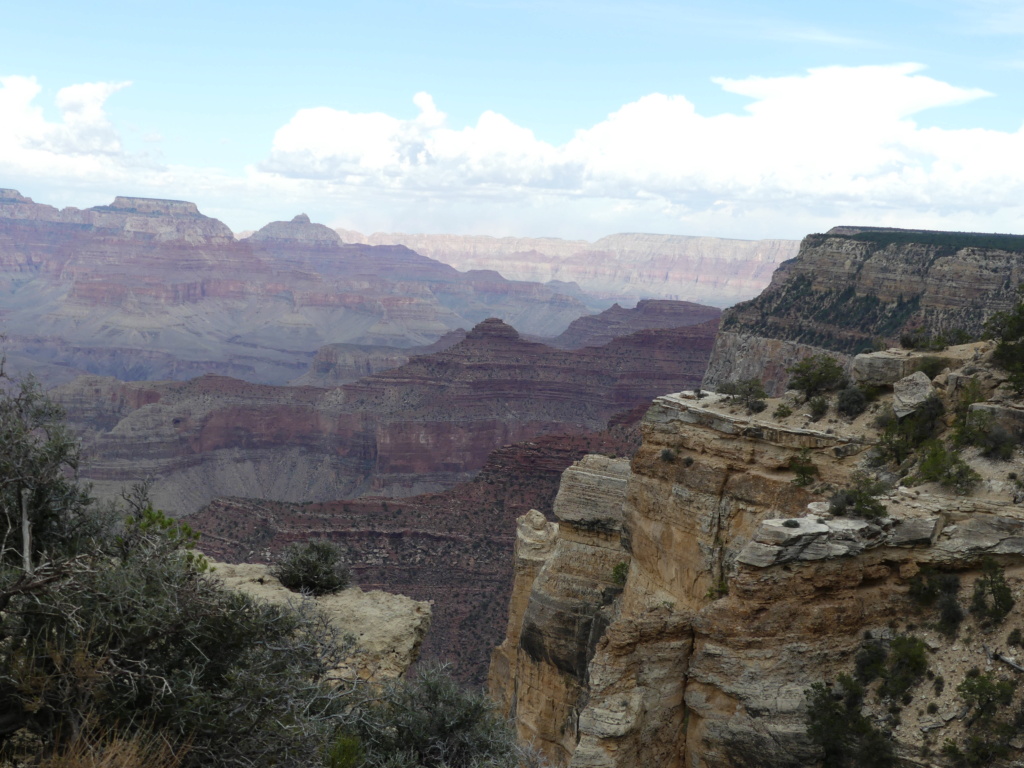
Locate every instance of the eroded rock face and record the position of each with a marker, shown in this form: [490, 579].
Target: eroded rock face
[387, 629]
[710, 270]
[538, 671]
[743, 589]
[852, 287]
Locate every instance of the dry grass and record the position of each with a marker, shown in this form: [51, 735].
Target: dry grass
[116, 751]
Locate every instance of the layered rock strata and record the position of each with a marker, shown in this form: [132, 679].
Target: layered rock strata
[648, 314]
[709, 270]
[744, 588]
[540, 669]
[852, 287]
[153, 289]
[421, 427]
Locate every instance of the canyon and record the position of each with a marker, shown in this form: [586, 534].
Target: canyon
[622, 267]
[423, 426]
[145, 289]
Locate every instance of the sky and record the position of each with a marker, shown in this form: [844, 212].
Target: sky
[554, 118]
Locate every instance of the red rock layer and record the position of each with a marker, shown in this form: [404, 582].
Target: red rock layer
[150, 289]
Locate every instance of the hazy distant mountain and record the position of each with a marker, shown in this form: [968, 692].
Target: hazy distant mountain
[708, 270]
[153, 289]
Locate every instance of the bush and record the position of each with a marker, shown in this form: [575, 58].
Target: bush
[667, 455]
[932, 588]
[845, 737]
[902, 437]
[1008, 329]
[803, 467]
[818, 406]
[432, 722]
[749, 392]
[782, 411]
[908, 663]
[985, 694]
[859, 500]
[619, 573]
[947, 468]
[992, 599]
[315, 567]
[851, 402]
[979, 428]
[817, 374]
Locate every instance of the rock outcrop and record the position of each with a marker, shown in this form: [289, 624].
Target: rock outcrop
[540, 669]
[744, 588]
[386, 630]
[709, 270]
[852, 287]
[153, 289]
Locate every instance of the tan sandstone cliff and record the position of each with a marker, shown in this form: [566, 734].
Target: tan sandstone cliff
[743, 589]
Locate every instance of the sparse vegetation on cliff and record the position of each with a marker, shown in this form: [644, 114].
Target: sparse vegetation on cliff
[836, 725]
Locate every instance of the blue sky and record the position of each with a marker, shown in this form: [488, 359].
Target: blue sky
[571, 119]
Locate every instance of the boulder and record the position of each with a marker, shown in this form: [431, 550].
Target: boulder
[910, 392]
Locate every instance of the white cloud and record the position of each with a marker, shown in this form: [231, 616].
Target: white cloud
[831, 140]
[832, 145]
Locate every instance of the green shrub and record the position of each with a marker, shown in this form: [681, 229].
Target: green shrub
[932, 366]
[818, 406]
[945, 466]
[992, 599]
[851, 402]
[845, 737]
[667, 455]
[907, 664]
[803, 467]
[619, 573]
[1008, 330]
[933, 588]
[1015, 640]
[859, 500]
[817, 374]
[985, 694]
[432, 722]
[782, 411]
[314, 567]
[979, 428]
[901, 438]
[749, 392]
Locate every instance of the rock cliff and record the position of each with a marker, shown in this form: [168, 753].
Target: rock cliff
[743, 588]
[853, 287]
[153, 289]
[627, 266]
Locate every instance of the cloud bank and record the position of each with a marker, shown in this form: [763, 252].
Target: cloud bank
[828, 146]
